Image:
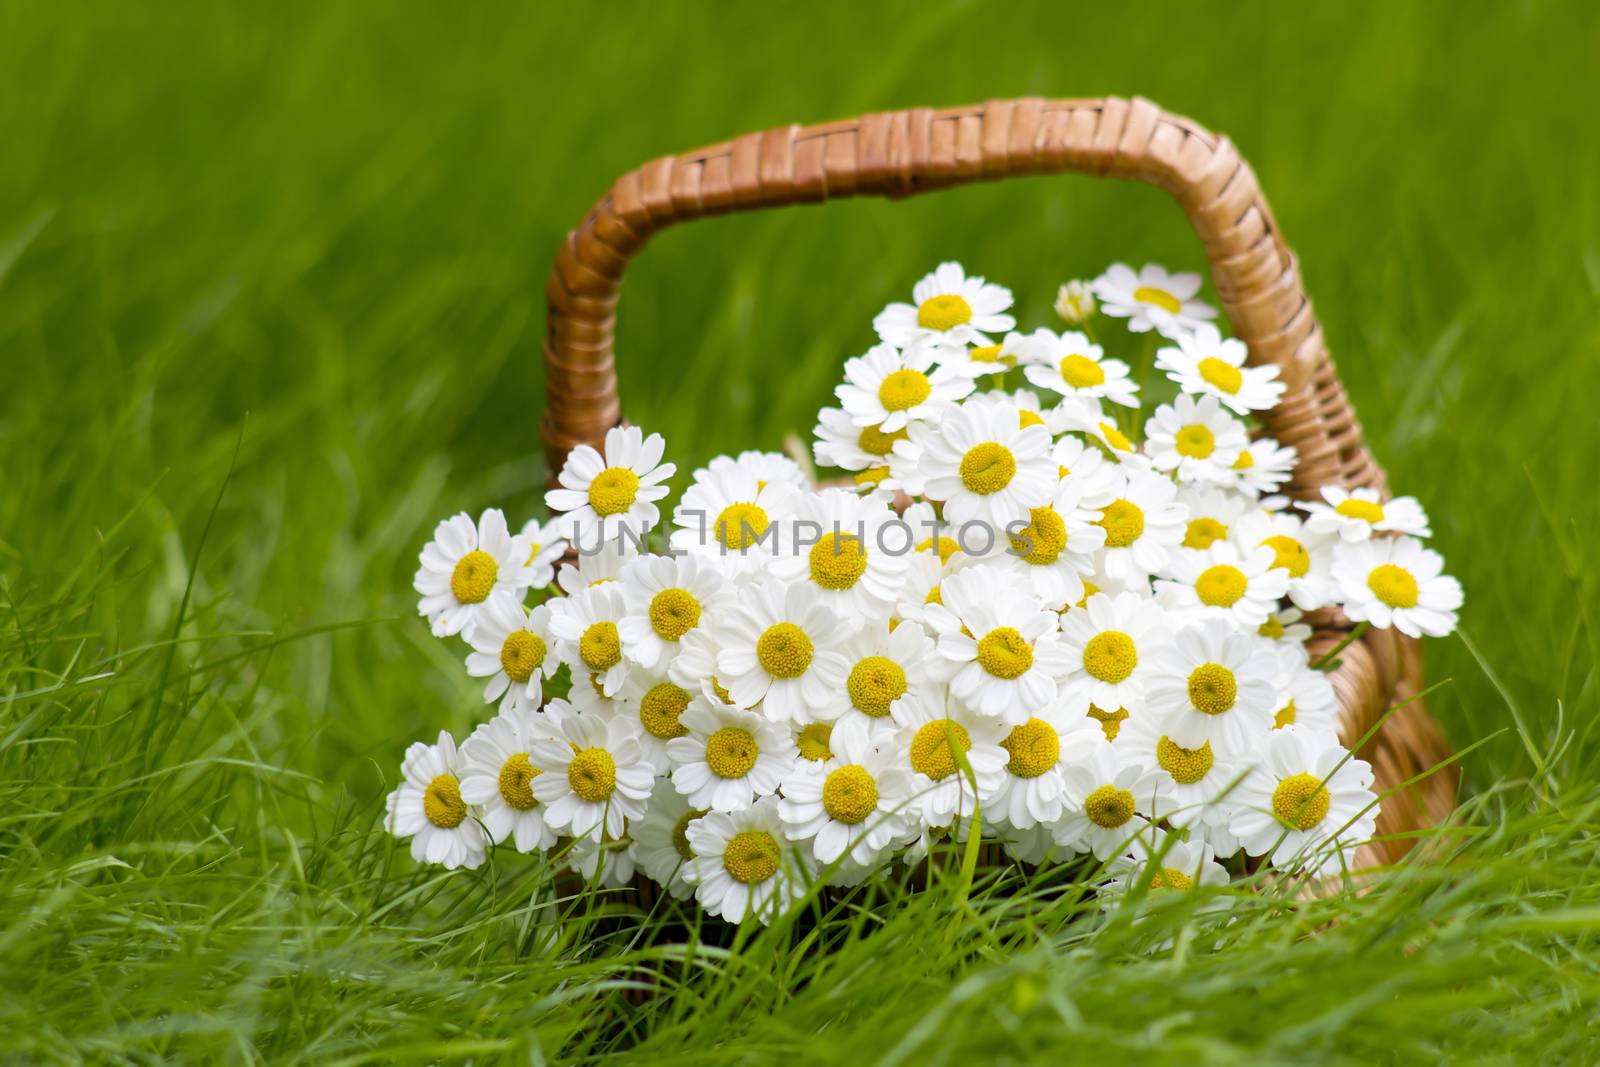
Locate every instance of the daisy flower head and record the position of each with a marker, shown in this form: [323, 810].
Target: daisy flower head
[1212, 514]
[1152, 298]
[514, 648]
[596, 564]
[1204, 364]
[1003, 649]
[930, 534]
[978, 361]
[497, 776]
[730, 515]
[1306, 698]
[1075, 303]
[594, 777]
[886, 665]
[1030, 412]
[1110, 799]
[1097, 479]
[1298, 551]
[1195, 440]
[1035, 846]
[658, 703]
[1073, 366]
[779, 647]
[428, 808]
[888, 388]
[850, 805]
[1306, 801]
[587, 695]
[986, 467]
[1110, 645]
[1032, 790]
[1054, 548]
[767, 467]
[923, 586]
[604, 861]
[1285, 629]
[1201, 780]
[840, 547]
[666, 598]
[932, 732]
[1161, 861]
[1395, 581]
[949, 311]
[1356, 514]
[695, 667]
[744, 864]
[588, 632]
[1263, 467]
[1213, 684]
[615, 490]
[1089, 417]
[1143, 526]
[841, 443]
[661, 839]
[728, 757]
[466, 568]
[546, 545]
[1221, 582]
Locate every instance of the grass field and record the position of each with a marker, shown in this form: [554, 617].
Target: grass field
[270, 305]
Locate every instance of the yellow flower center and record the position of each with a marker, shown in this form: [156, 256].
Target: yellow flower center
[1110, 656]
[935, 595]
[751, 857]
[1221, 586]
[1223, 375]
[871, 476]
[1301, 801]
[1005, 653]
[989, 354]
[673, 613]
[1289, 554]
[904, 389]
[1393, 585]
[1196, 442]
[613, 491]
[1186, 765]
[1026, 418]
[784, 650]
[1110, 721]
[521, 654]
[1109, 807]
[874, 442]
[1149, 294]
[930, 748]
[592, 774]
[1272, 628]
[944, 312]
[1043, 539]
[660, 708]
[741, 525]
[987, 468]
[1116, 438]
[1285, 716]
[473, 579]
[1123, 522]
[1203, 533]
[1365, 510]
[1171, 878]
[731, 752]
[442, 803]
[1081, 372]
[1034, 747]
[1212, 688]
[849, 795]
[600, 648]
[516, 776]
[875, 683]
[680, 834]
[948, 546]
[1245, 461]
[814, 741]
[721, 691]
[838, 561]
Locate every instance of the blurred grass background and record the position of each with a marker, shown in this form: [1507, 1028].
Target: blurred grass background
[318, 234]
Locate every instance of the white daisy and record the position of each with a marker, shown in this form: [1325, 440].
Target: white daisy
[468, 567]
[594, 775]
[1161, 861]
[496, 776]
[730, 515]
[1264, 466]
[695, 667]
[546, 546]
[1305, 696]
[767, 467]
[428, 808]
[1143, 526]
[1212, 514]
[1088, 417]
[1305, 802]
[885, 666]
[1202, 781]
[1098, 480]
[1299, 552]
[941, 793]
[888, 388]
[666, 599]
[729, 756]
[1204, 364]
[1109, 797]
[744, 865]
[850, 805]
[1035, 846]
[588, 695]
[950, 311]
[1285, 629]
[1004, 650]
[985, 467]
[1032, 790]
[841, 443]
[779, 646]
[930, 533]
[1073, 366]
[839, 547]
[1195, 439]
[596, 564]
[980, 360]
[661, 839]
[1152, 299]
[514, 648]
[1213, 683]
[604, 861]
[603, 494]
[1221, 582]
[1075, 303]
[1110, 645]
[1355, 514]
[922, 586]
[1030, 412]
[1054, 548]
[588, 633]
[659, 703]
[1397, 582]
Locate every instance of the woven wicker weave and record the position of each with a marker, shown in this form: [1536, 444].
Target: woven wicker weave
[901, 153]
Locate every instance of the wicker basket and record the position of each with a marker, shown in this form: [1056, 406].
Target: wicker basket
[902, 153]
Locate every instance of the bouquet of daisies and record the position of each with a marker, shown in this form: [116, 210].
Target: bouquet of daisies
[1063, 617]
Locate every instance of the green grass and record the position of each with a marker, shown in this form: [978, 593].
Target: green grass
[270, 304]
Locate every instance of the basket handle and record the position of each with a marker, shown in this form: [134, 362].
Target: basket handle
[901, 153]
